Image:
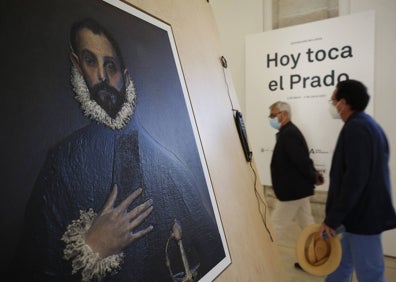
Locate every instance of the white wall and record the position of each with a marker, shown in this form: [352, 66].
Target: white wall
[237, 18]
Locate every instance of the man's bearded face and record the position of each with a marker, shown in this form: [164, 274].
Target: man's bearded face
[105, 91]
[101, 67]
[96, 112]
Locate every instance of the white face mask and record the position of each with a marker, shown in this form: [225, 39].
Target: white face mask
[274, 122]
[334, 112]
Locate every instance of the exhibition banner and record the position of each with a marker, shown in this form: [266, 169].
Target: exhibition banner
[301, 65]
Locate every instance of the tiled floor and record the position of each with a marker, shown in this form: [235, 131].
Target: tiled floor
[287, 251]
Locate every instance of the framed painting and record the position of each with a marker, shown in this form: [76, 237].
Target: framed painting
[104, 172]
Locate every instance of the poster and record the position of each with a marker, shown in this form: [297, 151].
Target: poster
[301, 65]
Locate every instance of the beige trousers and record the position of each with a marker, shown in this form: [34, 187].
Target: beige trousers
[287, 213]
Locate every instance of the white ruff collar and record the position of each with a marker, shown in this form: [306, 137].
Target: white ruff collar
[93, 111]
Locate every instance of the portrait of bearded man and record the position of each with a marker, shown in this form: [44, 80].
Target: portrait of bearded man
[109, 199]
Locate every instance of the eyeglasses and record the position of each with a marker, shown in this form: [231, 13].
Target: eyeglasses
[274, 114]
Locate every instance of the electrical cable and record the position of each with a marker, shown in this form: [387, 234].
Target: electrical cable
[260, 201]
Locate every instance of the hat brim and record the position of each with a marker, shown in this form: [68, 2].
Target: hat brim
[331, 263]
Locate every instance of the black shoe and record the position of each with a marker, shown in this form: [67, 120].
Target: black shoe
[298, 266]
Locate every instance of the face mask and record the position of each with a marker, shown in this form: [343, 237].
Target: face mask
[274, 122]
[333, 111]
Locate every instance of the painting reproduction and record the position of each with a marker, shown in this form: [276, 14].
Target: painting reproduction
[104, 175]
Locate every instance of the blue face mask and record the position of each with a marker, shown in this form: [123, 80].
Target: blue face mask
[274, 122]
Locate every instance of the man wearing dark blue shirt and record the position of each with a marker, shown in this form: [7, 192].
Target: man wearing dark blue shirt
[359, 196]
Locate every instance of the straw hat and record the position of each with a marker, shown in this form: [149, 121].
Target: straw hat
[315, 255]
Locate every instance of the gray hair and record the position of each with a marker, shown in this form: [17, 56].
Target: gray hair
[282, 106]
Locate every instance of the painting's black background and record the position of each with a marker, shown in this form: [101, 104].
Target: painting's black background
[38, 106]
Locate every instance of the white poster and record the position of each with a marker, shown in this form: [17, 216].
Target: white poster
[301, 65]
